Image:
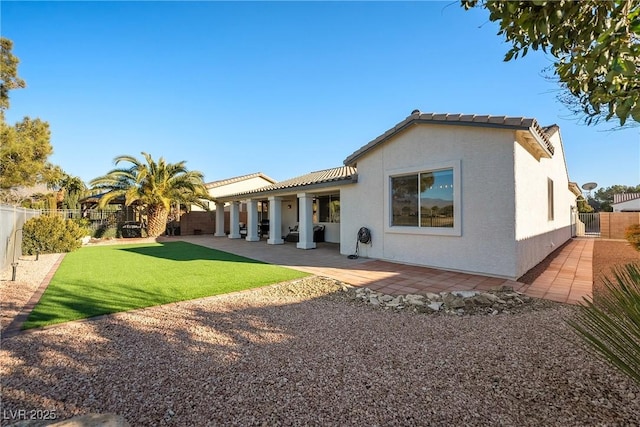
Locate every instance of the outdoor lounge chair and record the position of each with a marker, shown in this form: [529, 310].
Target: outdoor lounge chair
[294, 234]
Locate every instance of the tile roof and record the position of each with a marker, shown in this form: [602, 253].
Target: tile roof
[625, 197]
[323, 178]
[222, 182]
[505, 122]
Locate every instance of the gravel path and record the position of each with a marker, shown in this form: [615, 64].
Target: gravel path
[305, 353]
[15, 295]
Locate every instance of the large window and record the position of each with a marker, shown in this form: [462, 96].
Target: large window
[424, 199]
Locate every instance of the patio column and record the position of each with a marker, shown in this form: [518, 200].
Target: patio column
[275, 221]
[305, 201]
[234, 233]
[219, 220]
[252, 221]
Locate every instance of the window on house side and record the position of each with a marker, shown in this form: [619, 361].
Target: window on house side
[423, 199]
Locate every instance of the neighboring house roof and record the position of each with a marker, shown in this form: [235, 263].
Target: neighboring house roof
[625, 197]
[222, 182]
[516, 123]
[324, 178]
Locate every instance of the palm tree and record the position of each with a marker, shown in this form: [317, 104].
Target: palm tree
[155, 185]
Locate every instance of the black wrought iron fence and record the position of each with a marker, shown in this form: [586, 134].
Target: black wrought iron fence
[97, 218]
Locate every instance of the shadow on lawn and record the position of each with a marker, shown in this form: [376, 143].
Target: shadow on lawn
[321, 361]
[184, 251]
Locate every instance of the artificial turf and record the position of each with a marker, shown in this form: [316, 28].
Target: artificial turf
[109, 279]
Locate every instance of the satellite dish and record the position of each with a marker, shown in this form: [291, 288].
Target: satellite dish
[589, 186]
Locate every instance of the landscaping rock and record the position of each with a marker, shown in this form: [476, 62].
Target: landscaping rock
[452, 303]
[435, 306]
[433, 297]
[465, 294]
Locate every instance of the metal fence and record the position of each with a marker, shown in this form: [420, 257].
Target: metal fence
[97, 218]
[590, 224]
[11, 220]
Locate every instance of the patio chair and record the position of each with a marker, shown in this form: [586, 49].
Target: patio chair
[293, 235]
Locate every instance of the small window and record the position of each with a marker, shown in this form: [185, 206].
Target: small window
[329, 209]
[549, 199]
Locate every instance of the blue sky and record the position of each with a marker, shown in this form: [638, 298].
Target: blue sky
[284, 88]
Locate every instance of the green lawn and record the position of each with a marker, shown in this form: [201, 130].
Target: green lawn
[109, 279]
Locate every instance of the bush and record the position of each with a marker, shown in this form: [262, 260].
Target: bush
[83, 223]
[106, 232]
[632, 233]
[47, 234]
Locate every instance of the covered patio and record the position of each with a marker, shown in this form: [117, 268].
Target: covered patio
[302, 202]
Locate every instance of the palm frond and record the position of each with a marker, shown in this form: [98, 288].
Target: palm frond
[611, 326]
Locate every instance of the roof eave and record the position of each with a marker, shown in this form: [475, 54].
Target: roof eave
[290, 190]
[534, 143]
[527, 125]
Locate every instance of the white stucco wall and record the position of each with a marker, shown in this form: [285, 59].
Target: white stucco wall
[536, 235]
[233, 188]
[331, 231]
[239, 186]
[486, 243]
[629, 205]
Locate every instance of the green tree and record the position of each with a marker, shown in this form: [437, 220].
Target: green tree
[603, 198]
[595, 45]
[155, 185]
[24, 150]
[25, 146]
[8, 72]
[71, 188]
[584, 206]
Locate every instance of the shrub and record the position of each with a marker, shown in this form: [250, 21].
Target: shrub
[106, 232]
[632, 233]
[50, 234]
[83, 223]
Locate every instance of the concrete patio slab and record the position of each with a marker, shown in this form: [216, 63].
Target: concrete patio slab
[568, 278]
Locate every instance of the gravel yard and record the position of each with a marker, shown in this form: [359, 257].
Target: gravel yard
[29, 274]
[606, 254]
[307, 353]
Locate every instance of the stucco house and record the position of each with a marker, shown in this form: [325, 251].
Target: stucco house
[626, 202]
[235, 184]
[480, 194]
[198, 221]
